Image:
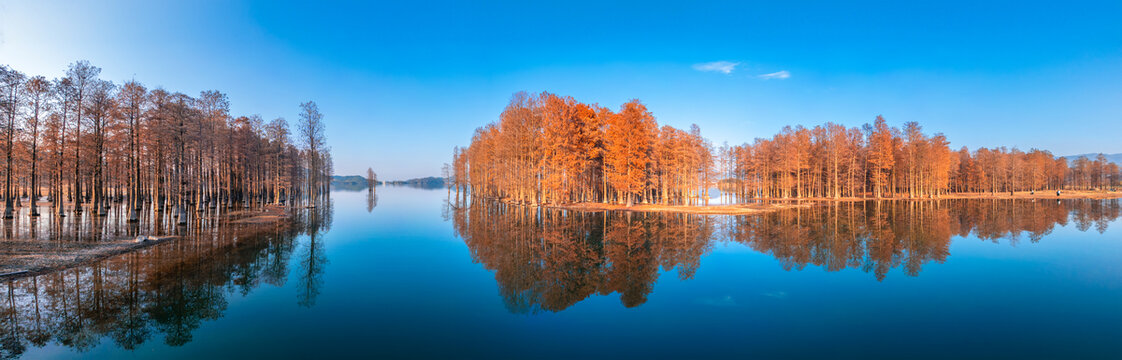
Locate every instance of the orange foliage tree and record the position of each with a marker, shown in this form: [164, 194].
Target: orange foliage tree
[552, 149]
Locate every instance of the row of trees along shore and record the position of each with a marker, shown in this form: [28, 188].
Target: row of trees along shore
[80, 141]
[548, 149]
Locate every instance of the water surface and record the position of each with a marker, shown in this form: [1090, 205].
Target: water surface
[410, 275]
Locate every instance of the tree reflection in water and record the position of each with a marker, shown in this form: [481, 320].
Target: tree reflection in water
[550, 259]
[169, 289]
[371, 200]
[313, 257]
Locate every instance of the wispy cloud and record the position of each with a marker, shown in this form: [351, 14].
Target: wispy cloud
[724, 67]
[782, 74]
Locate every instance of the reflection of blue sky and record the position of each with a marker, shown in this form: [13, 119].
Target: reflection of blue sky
[717, 301]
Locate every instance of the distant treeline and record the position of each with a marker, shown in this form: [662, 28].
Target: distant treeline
[356, 182]
[351, 183]
[431, 182]
[78, 139]
[877, 160]
[551, 149]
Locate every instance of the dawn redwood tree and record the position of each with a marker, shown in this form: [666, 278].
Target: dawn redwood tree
[553, 149]
[101, 108]
[630, 136]
[159, 135]
[182, 115]
[882, 147]
[81, 76]
[212, 126]
[132, 99]
[276, 133]
[12, 90]
[519, 141]
[65, 94]
[38, 90]
[146, 147]
[314, 138]
[568, 145]
[701, 168]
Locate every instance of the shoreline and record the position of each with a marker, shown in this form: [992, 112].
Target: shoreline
[775, 204]
[725, 209]
[34, 256]
[1066, 194]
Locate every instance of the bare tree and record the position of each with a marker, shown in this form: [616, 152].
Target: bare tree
[81, 75]
[12, 88]
[101, 107]
[314, 138]
[276, 132]
[214, 109]
[143, 145]
[132, 98]
[182, 115]
[66, 94]
[38, 95]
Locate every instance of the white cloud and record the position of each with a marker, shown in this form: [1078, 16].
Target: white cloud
[725, 67]
[782, 74]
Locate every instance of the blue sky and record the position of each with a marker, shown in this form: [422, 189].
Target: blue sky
[403, 82]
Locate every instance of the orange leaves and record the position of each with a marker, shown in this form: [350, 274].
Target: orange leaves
[569, 145]
[552, 149]
[629, 138]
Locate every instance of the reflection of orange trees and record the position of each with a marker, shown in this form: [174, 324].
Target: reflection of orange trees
[548, 259]
[1095, 213]
[169, 289]
[878, 236]
[873, 236]
[1011, 219]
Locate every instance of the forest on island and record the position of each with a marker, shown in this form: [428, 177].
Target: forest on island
[549, 149]
[79, 141]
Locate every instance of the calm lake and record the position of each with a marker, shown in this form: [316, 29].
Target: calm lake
[414, 276]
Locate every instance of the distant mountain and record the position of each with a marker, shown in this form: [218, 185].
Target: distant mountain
[356, 183]
[348, 183]
[431, 182]
[1114, 158]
